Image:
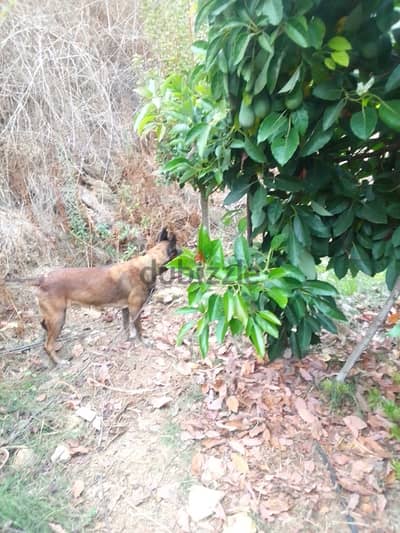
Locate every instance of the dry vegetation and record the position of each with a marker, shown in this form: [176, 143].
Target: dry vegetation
[67, 78]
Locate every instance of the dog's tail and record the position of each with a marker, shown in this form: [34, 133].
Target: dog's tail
[18, 281]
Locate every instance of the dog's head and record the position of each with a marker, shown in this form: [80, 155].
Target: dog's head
[164, 250]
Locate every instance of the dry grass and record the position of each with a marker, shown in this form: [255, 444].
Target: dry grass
[66, 100]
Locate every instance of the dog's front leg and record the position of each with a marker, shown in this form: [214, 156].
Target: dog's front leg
[125, 321]
[135, 303]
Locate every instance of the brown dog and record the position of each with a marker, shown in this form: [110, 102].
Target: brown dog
[127, 285]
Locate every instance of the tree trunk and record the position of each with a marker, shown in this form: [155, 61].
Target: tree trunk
[378, 320]
[204, 210]
[248, 218]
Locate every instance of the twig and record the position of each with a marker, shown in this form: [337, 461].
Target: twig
[6, 457]
[132, 392]
[373, 328]
[332, 474]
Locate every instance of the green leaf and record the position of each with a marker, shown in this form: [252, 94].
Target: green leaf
[332, 113]
[364, 122]
[317, 140]
[393, 81]
[146, 114]
[257, 339]
[221, 329]
[291, 83]
[301, 231]
[329, 63]
[265, 42]
[284, 147]
[270, 317]
[266, 326]
[178, 163]
[343, 222]
[316, 32]
[258, 201]
[392, 273]
[215, 307]
[262, 78]
[240, 309]
[320, 210]
[361, 258]
[255, 152]
[297, 30]
[228, 305]
[396, 237]
[327, 91]
[272, 125]
[275, 69]
[279, 296]
[341, 58]
[239, 188]
[307, 264]
[320, 288]
[273, 9]
[185, 328]
[373, 212]
[203, 336]
[299, 120]
[241, 46]
[389, 113]
[202, 140]
[339, 43]
[242, 251]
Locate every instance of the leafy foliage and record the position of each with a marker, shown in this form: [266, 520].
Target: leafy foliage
[244, 294]
[312, 138]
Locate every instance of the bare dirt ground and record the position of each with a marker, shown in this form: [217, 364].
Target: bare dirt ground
[169, 443]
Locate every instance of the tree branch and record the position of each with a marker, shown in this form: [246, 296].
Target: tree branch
[378, 320]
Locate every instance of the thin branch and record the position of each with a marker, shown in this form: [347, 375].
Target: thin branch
[373, 328]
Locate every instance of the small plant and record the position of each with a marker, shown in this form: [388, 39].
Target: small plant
[374, 398]
[246, 294]
[337, 393]
[391, 410]
[396, 378]
[396, 467]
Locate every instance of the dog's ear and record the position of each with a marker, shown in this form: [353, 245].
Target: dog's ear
[163, 235]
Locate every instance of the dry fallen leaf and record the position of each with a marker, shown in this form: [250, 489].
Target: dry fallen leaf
[160, 402]
[303, 411]
[197, 464]
[274, 506]
[41, 397]
[56, 528]
[237, 446]
[61, 454]
[77, 488]
[240, 523]
[203, 502]
[233, 404]
[354, 486]
[355, 424]
[213, 469]
[354, 500]
[86, 413]
[240, 463]
[211, 443]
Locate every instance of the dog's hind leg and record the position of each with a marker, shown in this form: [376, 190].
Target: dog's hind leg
[53, 322]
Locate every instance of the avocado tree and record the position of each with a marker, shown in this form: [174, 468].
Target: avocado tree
[192, 130]
[313, 138]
